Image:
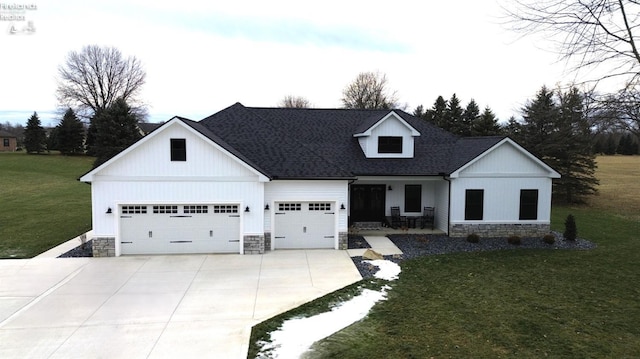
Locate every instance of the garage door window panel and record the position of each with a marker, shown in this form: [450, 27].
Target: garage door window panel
[196, 209]
[165, 209]
[225, 209]
[134, 209]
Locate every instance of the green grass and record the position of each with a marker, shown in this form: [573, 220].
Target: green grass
[43, 204]
[517, 303]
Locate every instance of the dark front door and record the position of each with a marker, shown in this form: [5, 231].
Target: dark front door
[367, 203]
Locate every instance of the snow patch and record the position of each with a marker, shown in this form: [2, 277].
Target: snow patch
[388, 269]
[296, 335]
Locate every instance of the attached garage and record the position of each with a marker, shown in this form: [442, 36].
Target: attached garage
[174, 229]
[304, 225]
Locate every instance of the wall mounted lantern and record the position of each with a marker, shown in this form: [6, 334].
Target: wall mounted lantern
[109, 210]
[246, 209]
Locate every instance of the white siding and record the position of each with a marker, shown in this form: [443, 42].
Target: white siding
[505, 160]
[441, 203]
[320, 190]
[152, 160]
[501, 198]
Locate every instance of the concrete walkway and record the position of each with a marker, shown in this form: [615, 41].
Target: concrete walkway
[382, 245]
[187, 306]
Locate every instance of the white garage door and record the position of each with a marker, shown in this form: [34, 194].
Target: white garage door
[304, 225]
[167, 229]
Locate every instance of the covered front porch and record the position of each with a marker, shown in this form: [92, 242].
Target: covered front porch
[371, 199]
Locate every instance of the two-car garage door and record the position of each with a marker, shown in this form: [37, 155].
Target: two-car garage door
[304, 225]
[188, 228]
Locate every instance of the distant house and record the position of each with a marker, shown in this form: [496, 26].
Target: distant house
[8, 142]
[248, 179]
[147, 127]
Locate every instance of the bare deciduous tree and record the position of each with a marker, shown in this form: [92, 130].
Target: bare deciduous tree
[291, 101]
[92, 79]
[588, 33]
[369, 91]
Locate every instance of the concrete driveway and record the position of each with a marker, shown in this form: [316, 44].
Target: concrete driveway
[178, 306]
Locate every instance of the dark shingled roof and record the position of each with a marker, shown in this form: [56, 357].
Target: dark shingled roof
[6, 134]
[290, 143]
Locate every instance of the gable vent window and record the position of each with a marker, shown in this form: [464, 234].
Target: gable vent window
[319, 206]
[389, 144]
[178, 149]
[134, 209]
[289, 206]
[165, 209]
[225, 208]
[196, 209]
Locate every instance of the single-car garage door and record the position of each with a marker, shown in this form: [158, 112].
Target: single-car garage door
[304, 225]
[188, 228]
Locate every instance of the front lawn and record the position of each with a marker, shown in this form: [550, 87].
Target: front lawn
[43, 204]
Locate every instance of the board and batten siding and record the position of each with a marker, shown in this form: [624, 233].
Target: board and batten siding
[502, 173]
[441, 204]
[501, 198]
[153, 159]
[305, 191]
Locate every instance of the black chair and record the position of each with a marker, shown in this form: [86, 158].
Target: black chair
[396, 219]
[428, 217]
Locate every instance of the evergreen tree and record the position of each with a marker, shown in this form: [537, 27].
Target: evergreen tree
[52, 139]
[570, 151]
[35, 138]
[570, 228]
[513, 129]
[486, 124]
[470, 115]
[452, 120]
[70, 133]
[435, 114]
[116, 128]
[419, 112]
[539, 120]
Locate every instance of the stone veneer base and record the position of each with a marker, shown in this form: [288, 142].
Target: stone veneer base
[500, 230]
[254, 244]
[104, 246]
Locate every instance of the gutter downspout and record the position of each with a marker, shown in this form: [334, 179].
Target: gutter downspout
[444, 177]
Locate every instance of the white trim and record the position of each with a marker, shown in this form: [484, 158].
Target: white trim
[414, 132]
[551, 172]
[177, 178]
[89, 176]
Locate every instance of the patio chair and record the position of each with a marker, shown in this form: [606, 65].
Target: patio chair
[428, 217]
[396, 219]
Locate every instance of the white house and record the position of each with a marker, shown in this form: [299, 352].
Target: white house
[246, 180]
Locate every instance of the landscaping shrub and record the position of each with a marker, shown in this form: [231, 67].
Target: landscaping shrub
[515, 240]
[570, 229]
[549, 238]
[473, 238]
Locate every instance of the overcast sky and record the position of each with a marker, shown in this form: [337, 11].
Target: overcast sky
[201, 57]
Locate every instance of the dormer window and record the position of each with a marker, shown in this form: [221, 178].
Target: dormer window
[389, 144]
